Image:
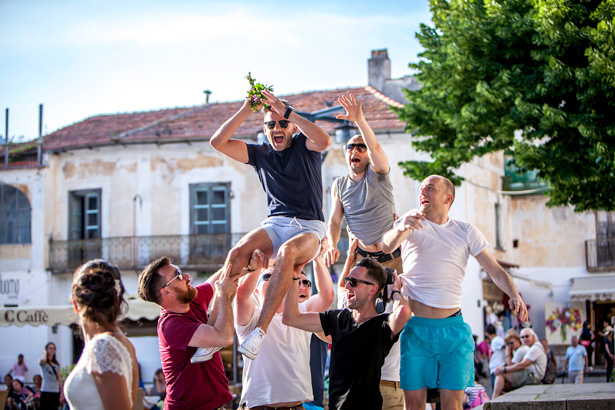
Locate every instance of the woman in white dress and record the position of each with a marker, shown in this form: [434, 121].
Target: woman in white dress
[106, 375]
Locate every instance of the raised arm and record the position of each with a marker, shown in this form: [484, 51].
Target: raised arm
[350, 261]
[354, 112]
[402, 228]
[317, 139]
[221, 332]
[221, 140]
[324, 298]
[503, 280]
[292, 316]
[401, 309]
[334, 227]
[244, 303]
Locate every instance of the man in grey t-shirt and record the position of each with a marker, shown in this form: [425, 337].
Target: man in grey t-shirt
[365, 197]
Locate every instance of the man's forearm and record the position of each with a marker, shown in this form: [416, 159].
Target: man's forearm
[224, 319]
[313, 132]
[393, 239]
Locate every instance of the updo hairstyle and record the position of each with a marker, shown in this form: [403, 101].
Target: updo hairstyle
[98, 291]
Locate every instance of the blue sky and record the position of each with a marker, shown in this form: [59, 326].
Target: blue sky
[83, 57]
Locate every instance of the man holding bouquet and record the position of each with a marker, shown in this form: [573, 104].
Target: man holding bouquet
[289, 168]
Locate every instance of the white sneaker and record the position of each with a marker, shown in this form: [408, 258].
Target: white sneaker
[203, 354]
[250, 346]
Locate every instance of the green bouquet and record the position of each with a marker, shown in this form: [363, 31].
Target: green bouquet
[255, 96]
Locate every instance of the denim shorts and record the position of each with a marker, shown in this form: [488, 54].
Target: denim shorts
[437, 353]
[282, 228]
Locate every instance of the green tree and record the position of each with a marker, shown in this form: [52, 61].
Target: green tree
[535, 78]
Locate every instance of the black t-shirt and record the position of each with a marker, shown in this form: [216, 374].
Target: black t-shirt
[291, 178]
[357, 356]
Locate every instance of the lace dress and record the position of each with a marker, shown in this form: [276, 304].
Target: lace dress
[104, 353]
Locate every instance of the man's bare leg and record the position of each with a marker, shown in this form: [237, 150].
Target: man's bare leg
[295, 251]
[415, 399]
[451, 399]
[241, 253]
[500, 381]
[239, 257]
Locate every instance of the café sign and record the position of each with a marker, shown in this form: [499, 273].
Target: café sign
[35, 316]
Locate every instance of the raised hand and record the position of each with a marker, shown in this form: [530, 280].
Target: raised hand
[354, 112]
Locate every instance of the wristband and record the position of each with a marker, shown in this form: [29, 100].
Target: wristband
[287, 113]
[395, 291]
[249, 269]
[504, 368]
[297, 278]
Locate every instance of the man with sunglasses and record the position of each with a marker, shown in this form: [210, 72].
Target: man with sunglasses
[279, 377]
[435, 251]
[360, 337]
[289, 168]
[364, 196]
[184, 326]
[530, 370]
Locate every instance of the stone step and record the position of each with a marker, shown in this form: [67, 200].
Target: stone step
[557, 397]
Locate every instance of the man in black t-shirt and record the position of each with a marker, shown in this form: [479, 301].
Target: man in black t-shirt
[360, 337]
[289, 168]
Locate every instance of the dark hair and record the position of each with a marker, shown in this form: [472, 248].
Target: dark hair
[490, 329]
[18, 381]
[98, 291]
[375, 271]
[53, 358]
[150, 281]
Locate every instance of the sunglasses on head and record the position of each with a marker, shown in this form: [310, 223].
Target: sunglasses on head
[271, 124]
[360, 147]
[306, 283]
[177, 275]
[353, 281]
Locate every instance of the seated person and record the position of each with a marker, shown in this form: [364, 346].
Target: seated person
[474, 396]
[159, 388]
[19, 396]
[515, 350]
[530, 370]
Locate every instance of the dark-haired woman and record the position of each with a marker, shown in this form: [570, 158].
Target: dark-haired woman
[51, 390]
[106, 376]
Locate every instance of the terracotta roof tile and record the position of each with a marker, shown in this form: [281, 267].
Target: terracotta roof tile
[202, 121]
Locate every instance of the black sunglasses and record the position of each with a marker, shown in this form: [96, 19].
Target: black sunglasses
[305, 282]
[271, 124]
[360, 147]
[178, 275]
[353, 281]
[525, 337]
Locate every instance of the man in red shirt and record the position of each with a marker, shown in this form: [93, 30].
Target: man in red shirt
[183, 327]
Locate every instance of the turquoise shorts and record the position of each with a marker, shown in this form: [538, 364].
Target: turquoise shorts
[437, 353]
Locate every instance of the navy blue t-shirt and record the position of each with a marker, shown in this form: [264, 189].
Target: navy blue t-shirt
[291, 178]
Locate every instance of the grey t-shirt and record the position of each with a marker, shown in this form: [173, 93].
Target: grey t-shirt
[368, 204]
[50, 378]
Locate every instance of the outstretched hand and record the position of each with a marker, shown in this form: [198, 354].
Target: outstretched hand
[410, 220]
[353, 109]
[258, 260]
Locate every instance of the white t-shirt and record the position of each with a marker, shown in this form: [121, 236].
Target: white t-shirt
[281, 371]
[520, 353]
[435, 257]
[498, 358]
[537, 355]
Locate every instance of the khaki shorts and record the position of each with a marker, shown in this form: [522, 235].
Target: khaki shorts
[523, 377]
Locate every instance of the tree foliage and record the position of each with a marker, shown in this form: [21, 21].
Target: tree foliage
[535, 78]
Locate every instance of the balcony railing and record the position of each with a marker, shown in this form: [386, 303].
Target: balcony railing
[600, 254]
[199, 252]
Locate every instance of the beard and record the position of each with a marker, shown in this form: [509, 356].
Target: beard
[188, 296]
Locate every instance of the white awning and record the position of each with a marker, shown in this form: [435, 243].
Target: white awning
[65, 315]
[592, 288]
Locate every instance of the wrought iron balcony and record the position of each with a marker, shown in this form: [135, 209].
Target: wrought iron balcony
[600, 255]
[205, 252]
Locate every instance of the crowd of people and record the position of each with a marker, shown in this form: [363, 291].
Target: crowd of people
[398, 329]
